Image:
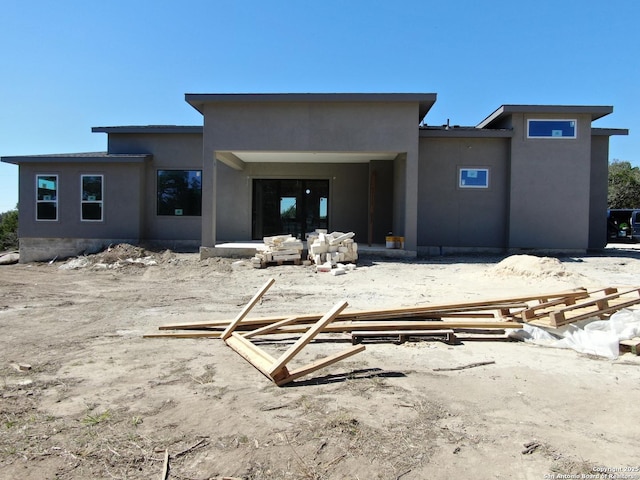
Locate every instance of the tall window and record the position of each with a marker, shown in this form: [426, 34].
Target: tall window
[46, 197]
[551, 129]
[180, 192]
[91, 187]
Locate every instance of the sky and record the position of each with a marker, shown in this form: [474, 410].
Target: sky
[71, 65]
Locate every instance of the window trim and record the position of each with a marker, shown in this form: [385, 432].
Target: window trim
[562, 137]
[101, 201]
[55, 202]
[473, 187]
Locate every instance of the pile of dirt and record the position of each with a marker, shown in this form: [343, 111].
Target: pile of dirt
[117, 256]
[530, 266]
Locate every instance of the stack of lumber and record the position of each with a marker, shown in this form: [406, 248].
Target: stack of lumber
[332, 248]
[550, 310]
[277, 250]
[554, 312]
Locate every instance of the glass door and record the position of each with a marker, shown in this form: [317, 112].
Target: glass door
[288, 206]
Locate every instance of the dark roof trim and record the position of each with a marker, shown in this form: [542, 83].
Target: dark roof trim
[97, 157]
[149, 129]
[609, 131]
[425, 100]
[596, 111]
[464, 132]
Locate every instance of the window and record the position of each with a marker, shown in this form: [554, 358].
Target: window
[91, 188]
[473, 178]
[551, 129]
[46, 197]
[180, 192]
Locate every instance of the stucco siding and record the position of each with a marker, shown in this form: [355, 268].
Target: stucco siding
[598, 192]
[449, 216]
[170, 151]
[550, 182]
[122, 201]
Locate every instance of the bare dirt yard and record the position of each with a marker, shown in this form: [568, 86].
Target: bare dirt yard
[84, 396]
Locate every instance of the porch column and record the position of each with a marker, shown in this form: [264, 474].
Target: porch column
[209, 193]
[411, 200]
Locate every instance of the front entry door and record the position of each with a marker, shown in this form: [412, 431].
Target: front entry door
[289, 206]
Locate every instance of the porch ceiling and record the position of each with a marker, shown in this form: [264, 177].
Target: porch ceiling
[312, 157]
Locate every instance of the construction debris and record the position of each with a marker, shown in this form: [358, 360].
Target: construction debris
[327, 250]
[550, 310]
[278, 250]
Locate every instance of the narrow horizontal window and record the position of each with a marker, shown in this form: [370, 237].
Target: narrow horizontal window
[179, 192]
[473, 178]
[551, 128]
[46, 197]
[91, 201]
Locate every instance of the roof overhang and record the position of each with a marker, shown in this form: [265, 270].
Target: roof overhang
[94, 157]
[596, 111]
[608, 132]
[149, 129]
[424, 100]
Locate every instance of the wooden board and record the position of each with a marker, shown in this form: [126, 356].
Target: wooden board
[598, 306]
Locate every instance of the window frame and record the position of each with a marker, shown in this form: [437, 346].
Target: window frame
[561, 137]
[463, 186]
[54, 202]
[181, 210]
[85, 202]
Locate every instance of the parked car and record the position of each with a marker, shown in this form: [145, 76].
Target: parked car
[623, 225]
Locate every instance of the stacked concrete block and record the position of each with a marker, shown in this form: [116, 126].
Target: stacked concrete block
[330, 249]
[278, 249]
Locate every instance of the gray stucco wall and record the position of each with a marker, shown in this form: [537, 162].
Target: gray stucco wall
[123, 188]
[123, 196]
[598, 192]
[170, 151]
[550, 183]
[449, 216]
[313, 126]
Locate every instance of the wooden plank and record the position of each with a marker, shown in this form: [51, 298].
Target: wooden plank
[338, 327]
[632, 345]
[594, 307]
[287, 356]
[232, 326]
[530, 312]
[435, 310]
[187, 334]
[325, 362]
[270, 328]
[260, 359]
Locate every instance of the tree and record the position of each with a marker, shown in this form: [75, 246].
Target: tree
[624, 185]
[9, 230]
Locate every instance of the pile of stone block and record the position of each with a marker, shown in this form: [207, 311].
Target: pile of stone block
[278, 250]
[332, 248]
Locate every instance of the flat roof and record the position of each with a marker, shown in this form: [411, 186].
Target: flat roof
[596, 111]
[424, 100]
[149, 129]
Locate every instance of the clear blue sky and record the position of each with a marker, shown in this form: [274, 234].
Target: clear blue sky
[70, 65]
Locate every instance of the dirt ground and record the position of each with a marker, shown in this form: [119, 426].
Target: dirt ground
[99, 401]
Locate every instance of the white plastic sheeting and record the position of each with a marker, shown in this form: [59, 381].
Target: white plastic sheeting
[594, 337]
